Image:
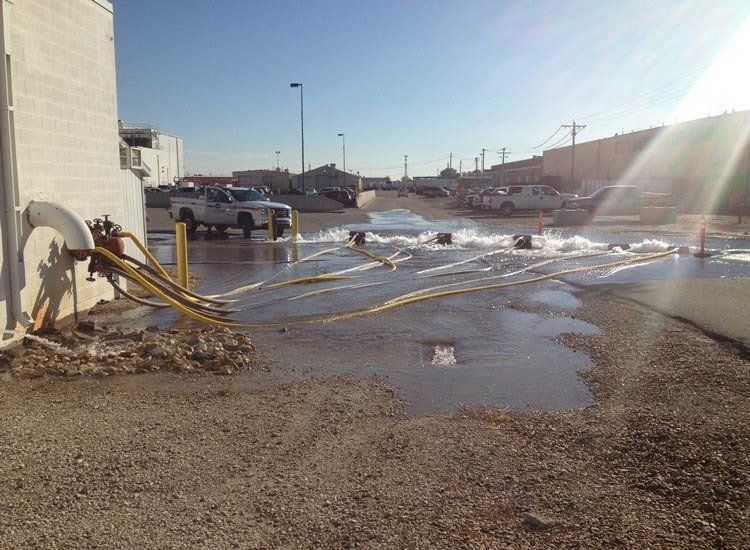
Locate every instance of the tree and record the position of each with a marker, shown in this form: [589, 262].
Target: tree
[449, 172]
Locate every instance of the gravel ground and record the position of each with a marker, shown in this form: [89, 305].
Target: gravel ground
[189, 461]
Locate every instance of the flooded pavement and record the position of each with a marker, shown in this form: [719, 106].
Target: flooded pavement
[494, 347]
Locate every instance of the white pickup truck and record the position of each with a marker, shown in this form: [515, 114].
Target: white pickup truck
[525, 198]
[224, 207]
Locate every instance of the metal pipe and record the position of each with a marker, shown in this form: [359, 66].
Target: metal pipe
[12, 208]
[75, 232]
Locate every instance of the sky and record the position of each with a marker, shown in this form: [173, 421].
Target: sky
[420, 78]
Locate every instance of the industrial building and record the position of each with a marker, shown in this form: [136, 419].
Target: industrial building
[420, 182]
[223, 181]
[377, 183]
[703, 162]
[326, 176]
[516, 172]
[277, 180]
[159, 155]
[60, 142]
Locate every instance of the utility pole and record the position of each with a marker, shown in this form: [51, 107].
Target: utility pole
[573, 132]
[406, 172]
[502, 152]
[460, 166]
[483, 150]
[343, 147]
[302, 128]
[450, 169]
[476, 165]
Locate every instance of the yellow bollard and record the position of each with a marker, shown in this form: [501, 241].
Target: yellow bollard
[295, 224]
[271, 226]
[182, 256]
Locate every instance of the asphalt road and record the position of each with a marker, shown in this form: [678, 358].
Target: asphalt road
[717, 306]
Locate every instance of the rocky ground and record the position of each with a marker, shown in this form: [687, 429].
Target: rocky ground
[91, 351]
[185, 461]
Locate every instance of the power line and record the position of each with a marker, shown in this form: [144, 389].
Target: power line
[639, 107]
[663, 89]
[401, 165]
[549, 138]
[558, 142]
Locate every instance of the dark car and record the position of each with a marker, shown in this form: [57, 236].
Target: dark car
[293, 191]
[618, 200]
[436, 192]
[344, 197]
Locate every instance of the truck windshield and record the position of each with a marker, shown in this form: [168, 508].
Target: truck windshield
[243, 195]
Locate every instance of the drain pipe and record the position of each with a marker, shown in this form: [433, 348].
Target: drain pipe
[12, 206]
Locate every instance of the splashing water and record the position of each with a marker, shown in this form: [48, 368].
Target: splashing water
[54, 346]
[443, 356]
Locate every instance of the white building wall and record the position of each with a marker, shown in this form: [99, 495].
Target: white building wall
[165, 162]
[62, 63]
[134, 214]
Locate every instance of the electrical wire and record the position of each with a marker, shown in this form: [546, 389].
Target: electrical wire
[565, 138]
[549, 138]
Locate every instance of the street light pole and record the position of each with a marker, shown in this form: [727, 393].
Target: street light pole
[302, 127]
[343, 147]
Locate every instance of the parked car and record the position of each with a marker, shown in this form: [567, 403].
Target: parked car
[525, 198]
[435, 192]
[475, 199]
[228, 207]
[294, 191]
[618, 200]
[403, 192]
[486, 202]
[341, 195]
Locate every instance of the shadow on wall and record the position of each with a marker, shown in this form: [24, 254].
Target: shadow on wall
[56, 283]
[56, 279]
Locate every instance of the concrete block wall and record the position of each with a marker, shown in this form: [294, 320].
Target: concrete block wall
[62, 61]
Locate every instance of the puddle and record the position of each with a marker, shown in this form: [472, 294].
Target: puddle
[557, 299]
[468, 349]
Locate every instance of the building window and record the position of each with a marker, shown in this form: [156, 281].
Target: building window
[135, 158]
[124, 157]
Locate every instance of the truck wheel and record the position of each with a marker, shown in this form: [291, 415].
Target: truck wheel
[246, 224]
[189, 220]
[506, 209]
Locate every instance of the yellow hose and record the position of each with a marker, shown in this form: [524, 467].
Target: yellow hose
[335, 289]
[146, 252]
[157, 292]
[163, 273]
[312, 279]
[493, 277]
[468, 260]
[272, 277]
[369, 254]
[423, 297]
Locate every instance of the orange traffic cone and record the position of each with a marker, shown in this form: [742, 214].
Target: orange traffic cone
[539, 224]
